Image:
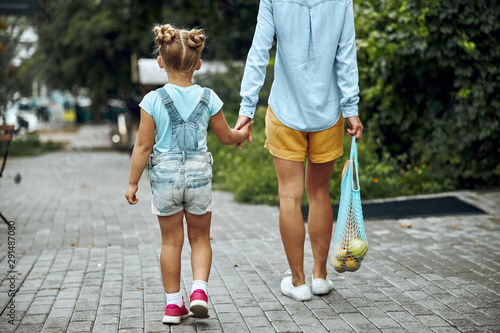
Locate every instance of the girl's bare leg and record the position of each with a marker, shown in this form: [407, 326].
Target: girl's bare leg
[320, 219]
[172, 239]
[291, 190]
[198, 227]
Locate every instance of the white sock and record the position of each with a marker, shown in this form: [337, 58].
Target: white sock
[174, 298]
[199, 284]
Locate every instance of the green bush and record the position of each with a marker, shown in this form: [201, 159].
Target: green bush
[430, 86]
[31, 145]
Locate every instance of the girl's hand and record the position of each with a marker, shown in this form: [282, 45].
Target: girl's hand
[242, 121]
[130, 194]
[246, 129]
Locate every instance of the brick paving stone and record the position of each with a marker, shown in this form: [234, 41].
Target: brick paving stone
[105, 329]
[257, 322]
[60, 323]
[445, 330]
[359, 322]
[285, 326]
[131, 322]
[80, 326]
[337, 324]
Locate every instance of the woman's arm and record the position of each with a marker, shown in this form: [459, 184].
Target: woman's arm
[225, 134]
[140, 155]
[257, 60]
[347, 67]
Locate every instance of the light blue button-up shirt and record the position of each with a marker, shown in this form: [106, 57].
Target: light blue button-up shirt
[315, 70]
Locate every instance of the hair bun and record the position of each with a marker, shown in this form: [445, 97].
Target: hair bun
[164, 34]
[196, 39]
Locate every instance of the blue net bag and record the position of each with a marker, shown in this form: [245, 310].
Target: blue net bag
[349, 244]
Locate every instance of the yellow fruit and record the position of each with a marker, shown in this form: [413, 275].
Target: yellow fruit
[338, 265]
[352, 264]
[341, 254]
[358, 248]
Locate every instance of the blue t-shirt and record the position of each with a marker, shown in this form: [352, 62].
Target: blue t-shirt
[185, 100]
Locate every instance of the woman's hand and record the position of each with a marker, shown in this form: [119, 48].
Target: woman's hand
[243, 120]
[130, 194]
[356, 128]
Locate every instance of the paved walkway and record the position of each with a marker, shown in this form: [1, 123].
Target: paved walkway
[86, 261]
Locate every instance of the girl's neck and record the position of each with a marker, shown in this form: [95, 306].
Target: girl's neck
[180, 79]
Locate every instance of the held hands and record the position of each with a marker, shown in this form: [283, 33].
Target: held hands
[244, 123]
[130, 194]
[356, 128]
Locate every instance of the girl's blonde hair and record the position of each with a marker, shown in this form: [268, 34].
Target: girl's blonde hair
[179, 49]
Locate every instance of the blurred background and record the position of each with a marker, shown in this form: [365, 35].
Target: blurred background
[429, 75]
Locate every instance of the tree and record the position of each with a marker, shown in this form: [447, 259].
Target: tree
[13, 76]
[229, 24]
[89, 44]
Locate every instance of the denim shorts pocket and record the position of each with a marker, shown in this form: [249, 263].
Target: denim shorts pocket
[201, 181]
[163, 190]
[199, 193]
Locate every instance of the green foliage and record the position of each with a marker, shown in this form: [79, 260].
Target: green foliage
[430, 84]
[13, 78]
[89, 44]
[31, 145]
[229, 24]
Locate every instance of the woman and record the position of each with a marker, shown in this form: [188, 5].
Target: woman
[315, 88]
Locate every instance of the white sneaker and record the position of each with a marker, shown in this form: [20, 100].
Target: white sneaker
[321, 286]
[300, 293]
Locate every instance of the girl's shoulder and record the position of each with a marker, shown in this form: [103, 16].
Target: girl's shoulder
[149, 102]
[151, 96]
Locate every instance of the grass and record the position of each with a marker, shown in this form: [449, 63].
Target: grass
[31, 145]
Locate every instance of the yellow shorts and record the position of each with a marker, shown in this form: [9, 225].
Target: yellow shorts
[289, 144]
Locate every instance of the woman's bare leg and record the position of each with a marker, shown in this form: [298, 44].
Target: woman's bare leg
[320, 219]
[291, 224]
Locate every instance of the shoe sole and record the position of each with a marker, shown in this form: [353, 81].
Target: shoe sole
[307, 298]
[322, 292]
[199, 309]
[174, 319]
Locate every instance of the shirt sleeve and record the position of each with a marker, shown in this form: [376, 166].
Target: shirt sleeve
[347, 68]
[146, 103]
[215, 103]
[257, 60]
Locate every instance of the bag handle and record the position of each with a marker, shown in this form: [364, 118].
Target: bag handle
[354, 158]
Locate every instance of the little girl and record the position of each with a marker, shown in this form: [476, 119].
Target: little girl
[180, 167]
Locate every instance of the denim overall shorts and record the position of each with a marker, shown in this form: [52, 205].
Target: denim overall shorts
[181, 178]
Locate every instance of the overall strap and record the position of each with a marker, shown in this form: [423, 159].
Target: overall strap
[174, 115]
[194, 117]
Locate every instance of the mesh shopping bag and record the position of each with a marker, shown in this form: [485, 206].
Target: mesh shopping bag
[349, 244]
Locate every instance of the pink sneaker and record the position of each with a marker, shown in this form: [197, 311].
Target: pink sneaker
[198, 304]
[174, 314]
